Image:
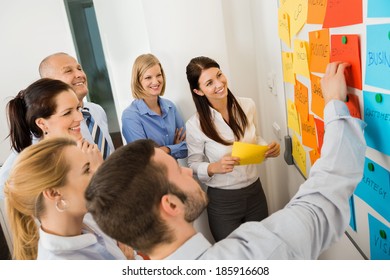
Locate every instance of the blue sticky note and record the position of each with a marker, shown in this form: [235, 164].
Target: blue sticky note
[352, 219]
[379, 239]
[377, 117]
[374, 188]
[378, 8]
[378, 56]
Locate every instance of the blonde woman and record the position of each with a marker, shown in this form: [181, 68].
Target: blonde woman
[46, 206]
[150, 116]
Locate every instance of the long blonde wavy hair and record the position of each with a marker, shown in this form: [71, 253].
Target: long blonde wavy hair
[38, 167]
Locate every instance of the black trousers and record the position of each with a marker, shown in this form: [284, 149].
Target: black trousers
[228, 209]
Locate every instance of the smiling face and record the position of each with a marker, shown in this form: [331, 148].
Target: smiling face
[65, 68]
[212, 84]
[66, 118]
[152, 81]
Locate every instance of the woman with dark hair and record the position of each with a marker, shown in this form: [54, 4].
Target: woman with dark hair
[45, 109]
[46, 180]
[235, 192]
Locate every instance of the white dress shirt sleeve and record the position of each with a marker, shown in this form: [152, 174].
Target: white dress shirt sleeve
[195, 144]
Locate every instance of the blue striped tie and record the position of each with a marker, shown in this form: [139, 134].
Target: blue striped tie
[97, 134]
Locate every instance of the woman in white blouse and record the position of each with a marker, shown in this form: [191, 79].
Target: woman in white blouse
[235, 192]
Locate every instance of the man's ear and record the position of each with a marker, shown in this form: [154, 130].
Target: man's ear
[198, 92]
[170, 204]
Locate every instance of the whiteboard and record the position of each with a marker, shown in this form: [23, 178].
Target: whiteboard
[370, 239]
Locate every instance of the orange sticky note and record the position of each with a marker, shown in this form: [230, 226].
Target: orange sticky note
[288, 71]
[346, 48]
[301, 99]
[316, 11]
[317, 99]
[284, 27]
[301, 58]
[293, 117]
[299, 155]
[319, 50]
[353, 106]
[309, 136]
[343, 12]
[320, 128]
[314, 155]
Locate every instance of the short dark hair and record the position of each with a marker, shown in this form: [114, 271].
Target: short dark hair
[125, 193]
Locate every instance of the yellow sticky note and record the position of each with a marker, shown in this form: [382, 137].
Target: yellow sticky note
[297, 10]
[299, 155]
[284, 27]
[249, 153]
[288, 70]
[283, 2]
[301, 58]
[293, 117]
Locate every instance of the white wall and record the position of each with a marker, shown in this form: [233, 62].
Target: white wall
[123, 37]
[283, 180]
[174, 32]
[29, 31]
[240, 35]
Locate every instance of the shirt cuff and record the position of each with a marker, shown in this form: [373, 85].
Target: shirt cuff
[177, 149]
[335, 109]
[202, 173]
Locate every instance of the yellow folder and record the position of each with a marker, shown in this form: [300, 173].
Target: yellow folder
[249, 153]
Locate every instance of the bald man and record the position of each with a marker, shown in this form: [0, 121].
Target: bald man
[66, 68]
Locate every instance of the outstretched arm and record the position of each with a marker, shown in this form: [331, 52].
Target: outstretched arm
[319, 213]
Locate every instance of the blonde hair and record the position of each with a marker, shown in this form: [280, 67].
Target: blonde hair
[39, 167]
[141, 64]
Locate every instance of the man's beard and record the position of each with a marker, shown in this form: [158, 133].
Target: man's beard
[194, 206]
